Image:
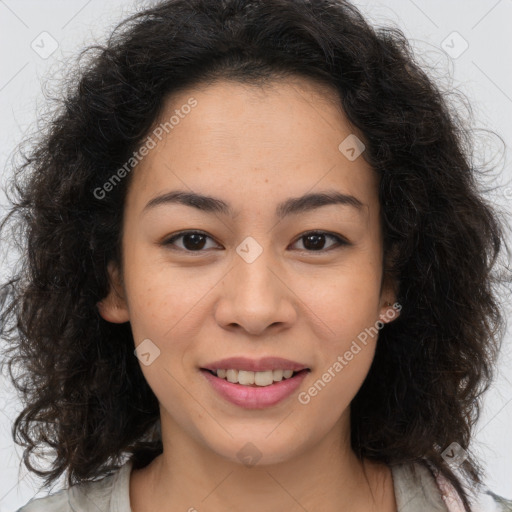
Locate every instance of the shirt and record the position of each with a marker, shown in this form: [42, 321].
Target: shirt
[420, 492]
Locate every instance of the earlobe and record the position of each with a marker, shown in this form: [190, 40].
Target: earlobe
[389, 312]
[113, 308]
[390, 307]
[112, 312]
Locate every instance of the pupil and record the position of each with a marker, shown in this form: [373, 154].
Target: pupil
[315, 238]
[197, 243]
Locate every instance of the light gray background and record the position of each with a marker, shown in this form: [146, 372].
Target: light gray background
[482, 72]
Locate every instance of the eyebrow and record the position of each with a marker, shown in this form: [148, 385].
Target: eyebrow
[291, 206]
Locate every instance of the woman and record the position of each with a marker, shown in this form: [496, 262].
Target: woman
[270, 206]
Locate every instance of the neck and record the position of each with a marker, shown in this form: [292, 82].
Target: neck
[326, 476]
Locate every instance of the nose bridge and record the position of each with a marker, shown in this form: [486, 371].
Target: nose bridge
[254, 296]
[255, 272]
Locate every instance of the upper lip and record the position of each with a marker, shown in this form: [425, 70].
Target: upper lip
[255, 365]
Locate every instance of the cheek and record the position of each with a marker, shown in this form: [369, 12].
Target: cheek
[346, 299]
[348, 306]
[165, 299]
[345, 363]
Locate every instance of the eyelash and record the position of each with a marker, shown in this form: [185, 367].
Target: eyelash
[340, 241]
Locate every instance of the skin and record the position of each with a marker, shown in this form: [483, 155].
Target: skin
[254, 147]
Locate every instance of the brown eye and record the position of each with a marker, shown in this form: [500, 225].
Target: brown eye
[193, 241]
[315, 240]
[196, 241]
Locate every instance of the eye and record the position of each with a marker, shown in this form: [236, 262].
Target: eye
[193, 241]
[314, 241]
[196, 241]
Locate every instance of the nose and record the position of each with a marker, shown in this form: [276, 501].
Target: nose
[256, 296]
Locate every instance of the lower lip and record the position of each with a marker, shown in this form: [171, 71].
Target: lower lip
[250, 397]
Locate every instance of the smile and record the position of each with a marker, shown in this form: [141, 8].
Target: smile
[265, 390]
[248, 378]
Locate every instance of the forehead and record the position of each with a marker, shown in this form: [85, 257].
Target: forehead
[284, 136]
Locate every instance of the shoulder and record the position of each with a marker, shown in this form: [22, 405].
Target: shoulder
[419, 486]
[109, 493]
[483, 499]
[57, 502]
[416, 489]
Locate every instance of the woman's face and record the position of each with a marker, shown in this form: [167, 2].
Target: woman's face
[252, 284]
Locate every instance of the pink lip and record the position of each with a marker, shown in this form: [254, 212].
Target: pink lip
[249, 397]
[255, 365]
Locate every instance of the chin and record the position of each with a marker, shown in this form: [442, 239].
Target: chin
[258, 450]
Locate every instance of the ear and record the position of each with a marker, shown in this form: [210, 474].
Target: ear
[389, 311]
[389, 307]
[113, 307]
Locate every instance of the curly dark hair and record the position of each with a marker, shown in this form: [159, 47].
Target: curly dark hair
[83, 390]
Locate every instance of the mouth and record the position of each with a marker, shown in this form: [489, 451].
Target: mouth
[261, 393]
[254, 379]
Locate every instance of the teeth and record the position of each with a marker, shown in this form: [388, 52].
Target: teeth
[247, 378]
[232, 375]
[263, 378]
[277, 375]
